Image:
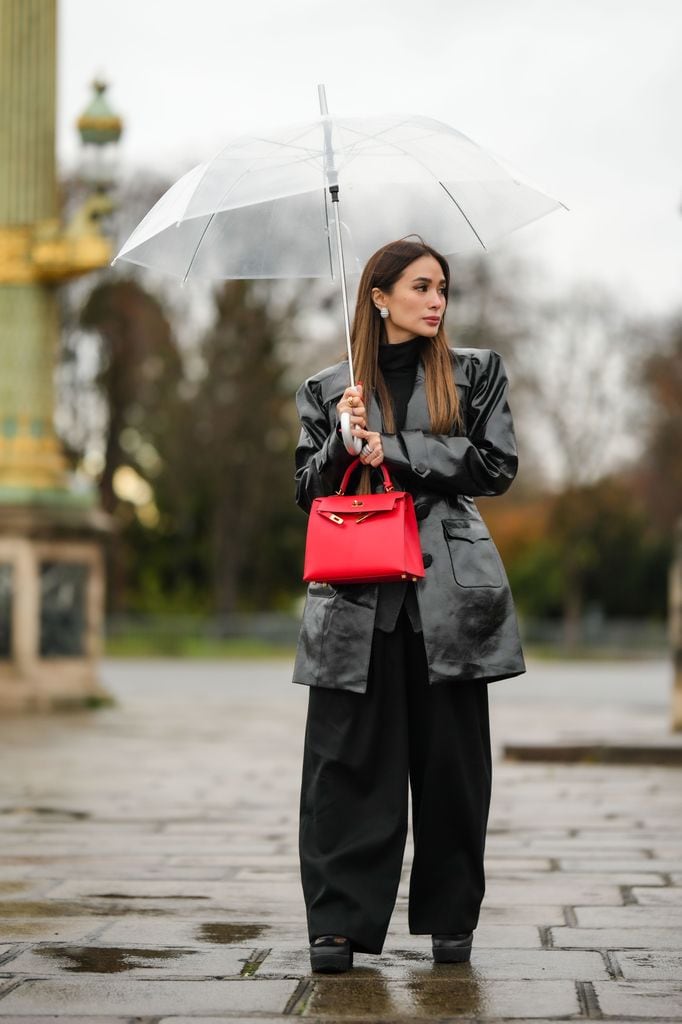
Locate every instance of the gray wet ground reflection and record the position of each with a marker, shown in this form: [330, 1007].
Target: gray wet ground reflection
[149, 862]
[69, 908]
[445, 993]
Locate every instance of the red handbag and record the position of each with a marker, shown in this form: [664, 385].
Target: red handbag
[363, 538]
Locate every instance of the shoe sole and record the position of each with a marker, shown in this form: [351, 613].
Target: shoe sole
[452, 956]
[326, 960]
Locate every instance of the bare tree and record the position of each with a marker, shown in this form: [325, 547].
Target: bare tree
[576, 372]
[244, 435]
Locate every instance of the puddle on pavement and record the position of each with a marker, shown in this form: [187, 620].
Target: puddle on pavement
[372, 997]
[7, 887]
[135, 896]
[448, 997]
[59, 813]
[413, 954]
[71, 908]
[224, 934]
[107, 960]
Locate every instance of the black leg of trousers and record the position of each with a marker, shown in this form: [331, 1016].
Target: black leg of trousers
[450, 779]
[359, 751]
[353, 822]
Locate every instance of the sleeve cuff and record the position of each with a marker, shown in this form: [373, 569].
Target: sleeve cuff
[338, 458]
[417, 451]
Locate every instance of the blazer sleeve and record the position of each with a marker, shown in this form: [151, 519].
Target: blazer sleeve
[482, 462]
[321, 457]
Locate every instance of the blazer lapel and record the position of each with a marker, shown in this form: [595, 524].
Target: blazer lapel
[417, 414]
[374, 416]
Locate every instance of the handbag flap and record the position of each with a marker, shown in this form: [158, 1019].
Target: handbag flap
[351, 504]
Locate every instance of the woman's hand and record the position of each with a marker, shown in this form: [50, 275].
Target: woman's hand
[372, 453]
[351, 402]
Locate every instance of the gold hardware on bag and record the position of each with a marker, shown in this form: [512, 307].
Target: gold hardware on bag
[356, 503]
[365, 515]
[335, 519]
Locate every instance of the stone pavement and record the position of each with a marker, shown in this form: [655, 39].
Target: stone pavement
[148, 862]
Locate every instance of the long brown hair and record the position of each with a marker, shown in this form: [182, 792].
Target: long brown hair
[382, 271]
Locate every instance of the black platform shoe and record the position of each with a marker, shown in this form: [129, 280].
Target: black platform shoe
[452, 949]
[330, 954]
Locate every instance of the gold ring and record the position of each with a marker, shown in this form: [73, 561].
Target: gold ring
[350, 401]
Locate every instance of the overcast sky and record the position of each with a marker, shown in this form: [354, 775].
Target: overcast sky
[582, 96]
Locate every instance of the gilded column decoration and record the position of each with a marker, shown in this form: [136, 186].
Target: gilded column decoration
[51, 564]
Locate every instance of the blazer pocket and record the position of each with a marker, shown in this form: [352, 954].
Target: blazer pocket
[475, 561]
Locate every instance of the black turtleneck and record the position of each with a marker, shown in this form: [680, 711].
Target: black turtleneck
[398, 364]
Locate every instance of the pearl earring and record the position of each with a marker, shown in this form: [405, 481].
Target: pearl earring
[383, 312]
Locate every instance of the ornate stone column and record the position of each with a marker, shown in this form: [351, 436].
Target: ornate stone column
[51, 585]
[29, 452]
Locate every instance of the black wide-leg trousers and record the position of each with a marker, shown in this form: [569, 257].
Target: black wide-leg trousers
[360, 751]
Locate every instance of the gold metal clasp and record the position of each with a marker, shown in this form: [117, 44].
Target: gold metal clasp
[336, 519]
[358, 503]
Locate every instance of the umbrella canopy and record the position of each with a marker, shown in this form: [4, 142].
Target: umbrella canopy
[261, 207]
[265, 205]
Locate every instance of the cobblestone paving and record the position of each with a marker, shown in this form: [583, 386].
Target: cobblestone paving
[149, 872]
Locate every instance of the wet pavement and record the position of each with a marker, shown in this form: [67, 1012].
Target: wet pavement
[149, 871]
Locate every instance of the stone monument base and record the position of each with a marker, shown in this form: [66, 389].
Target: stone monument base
[51, 606]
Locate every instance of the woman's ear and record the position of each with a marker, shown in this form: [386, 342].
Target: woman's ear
[378, 297]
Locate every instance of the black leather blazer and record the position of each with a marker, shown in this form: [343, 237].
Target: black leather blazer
[465, 604]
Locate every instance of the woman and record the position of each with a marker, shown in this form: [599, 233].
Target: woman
[398, 672]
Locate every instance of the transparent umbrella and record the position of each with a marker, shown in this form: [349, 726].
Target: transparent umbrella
[317, 199]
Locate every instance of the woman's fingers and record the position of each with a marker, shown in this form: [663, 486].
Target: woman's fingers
[351, 402]
[372, 453]
[375, 459]
[352, 396]
[357, 410]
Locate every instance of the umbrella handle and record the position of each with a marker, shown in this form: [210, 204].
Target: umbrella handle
[353, 444]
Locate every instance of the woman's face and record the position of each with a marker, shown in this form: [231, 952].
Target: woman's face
[416, 302]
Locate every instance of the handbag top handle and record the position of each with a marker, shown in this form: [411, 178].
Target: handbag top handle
[388, 486]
